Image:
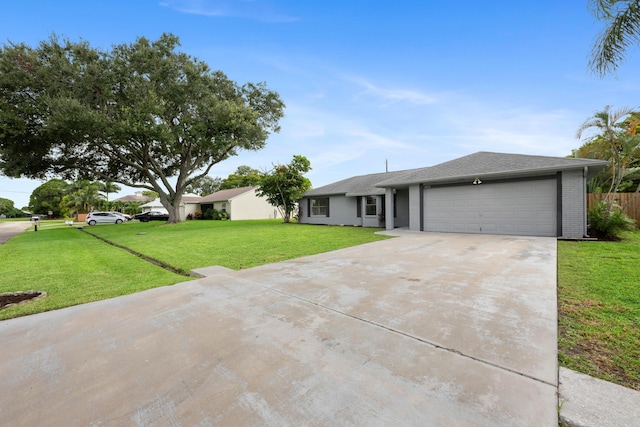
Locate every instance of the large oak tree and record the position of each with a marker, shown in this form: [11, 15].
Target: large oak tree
[140, 114]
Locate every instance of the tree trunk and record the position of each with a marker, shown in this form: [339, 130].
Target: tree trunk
[174, 211]
[172, 206]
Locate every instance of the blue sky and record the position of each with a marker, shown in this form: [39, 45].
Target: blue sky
[411, 83]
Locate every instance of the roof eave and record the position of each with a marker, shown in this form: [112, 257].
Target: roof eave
[487, 175]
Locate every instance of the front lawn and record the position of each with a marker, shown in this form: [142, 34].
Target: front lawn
[232, 244]
[599, 308]
[74, 267]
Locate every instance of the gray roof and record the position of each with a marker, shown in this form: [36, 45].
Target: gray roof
[486, 164]
[224, 195]
[481, 164]
[134, 198]
[362, 185]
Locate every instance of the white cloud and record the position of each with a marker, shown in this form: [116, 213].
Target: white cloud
[258, 10]
[393, 94]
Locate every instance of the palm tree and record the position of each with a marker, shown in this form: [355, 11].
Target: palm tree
[615, 139]
[83, 196]
[109, 187]
[622, 18]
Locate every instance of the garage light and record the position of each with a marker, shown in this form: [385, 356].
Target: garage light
[477, 181]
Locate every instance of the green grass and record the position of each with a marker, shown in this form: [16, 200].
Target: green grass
[599, 308]
[232, 244]
[74, 267]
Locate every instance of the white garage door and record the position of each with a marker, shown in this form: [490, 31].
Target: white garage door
[520, 208]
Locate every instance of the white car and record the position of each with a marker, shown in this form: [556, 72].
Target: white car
[123, 215]
[107, 217]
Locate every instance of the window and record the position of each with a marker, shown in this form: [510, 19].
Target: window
[359, 207]
[370, 208]
[319, 206]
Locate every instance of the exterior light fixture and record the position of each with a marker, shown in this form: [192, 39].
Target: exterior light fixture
[477, 181]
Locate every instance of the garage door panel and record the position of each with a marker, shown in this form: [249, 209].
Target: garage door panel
[524, 208]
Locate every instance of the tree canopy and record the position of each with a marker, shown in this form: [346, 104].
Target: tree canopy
[622, 19]
[141, 114]
[8, 209]
[47, 197]
[285, 184]
[244, 176]
[205, 186]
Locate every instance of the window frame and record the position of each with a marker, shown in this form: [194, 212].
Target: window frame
[316, 209]
[368, 206]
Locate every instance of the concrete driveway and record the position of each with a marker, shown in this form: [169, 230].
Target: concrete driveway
[427, 329]
[10, 229]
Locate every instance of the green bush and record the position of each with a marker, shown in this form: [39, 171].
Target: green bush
[209, 214]
[608, 224]
[215, 214]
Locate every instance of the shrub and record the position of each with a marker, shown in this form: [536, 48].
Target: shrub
[209, 214]
[608, 224]
[215, 214]
[197, 214]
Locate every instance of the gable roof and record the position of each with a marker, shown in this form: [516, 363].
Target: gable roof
[224, 195]
[362, 185]
[133, 198]
[481, 164]
[488, 164]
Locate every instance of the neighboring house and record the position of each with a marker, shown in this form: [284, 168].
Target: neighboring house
[189, 204]
[492, 193]
[239, 203]
[137, 197]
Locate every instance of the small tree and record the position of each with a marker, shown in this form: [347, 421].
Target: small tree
[614, 139]
[285, 185]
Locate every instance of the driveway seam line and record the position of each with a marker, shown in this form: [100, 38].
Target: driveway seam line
[422, 340]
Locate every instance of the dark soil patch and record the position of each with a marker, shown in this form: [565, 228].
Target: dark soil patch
[12, 298]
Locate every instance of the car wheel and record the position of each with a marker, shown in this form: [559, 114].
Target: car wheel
[118, 221]
[92, 222]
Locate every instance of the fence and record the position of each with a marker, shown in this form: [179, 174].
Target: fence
[633, 210]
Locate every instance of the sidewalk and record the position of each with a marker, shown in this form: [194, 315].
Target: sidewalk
[589, 402]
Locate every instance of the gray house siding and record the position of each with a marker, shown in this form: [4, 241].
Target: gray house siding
[402, 208]
[507, 194]
[372, 220]
[574, 204]
[415, 207]
[342, 211]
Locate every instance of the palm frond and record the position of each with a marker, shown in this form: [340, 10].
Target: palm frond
[622, 30]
